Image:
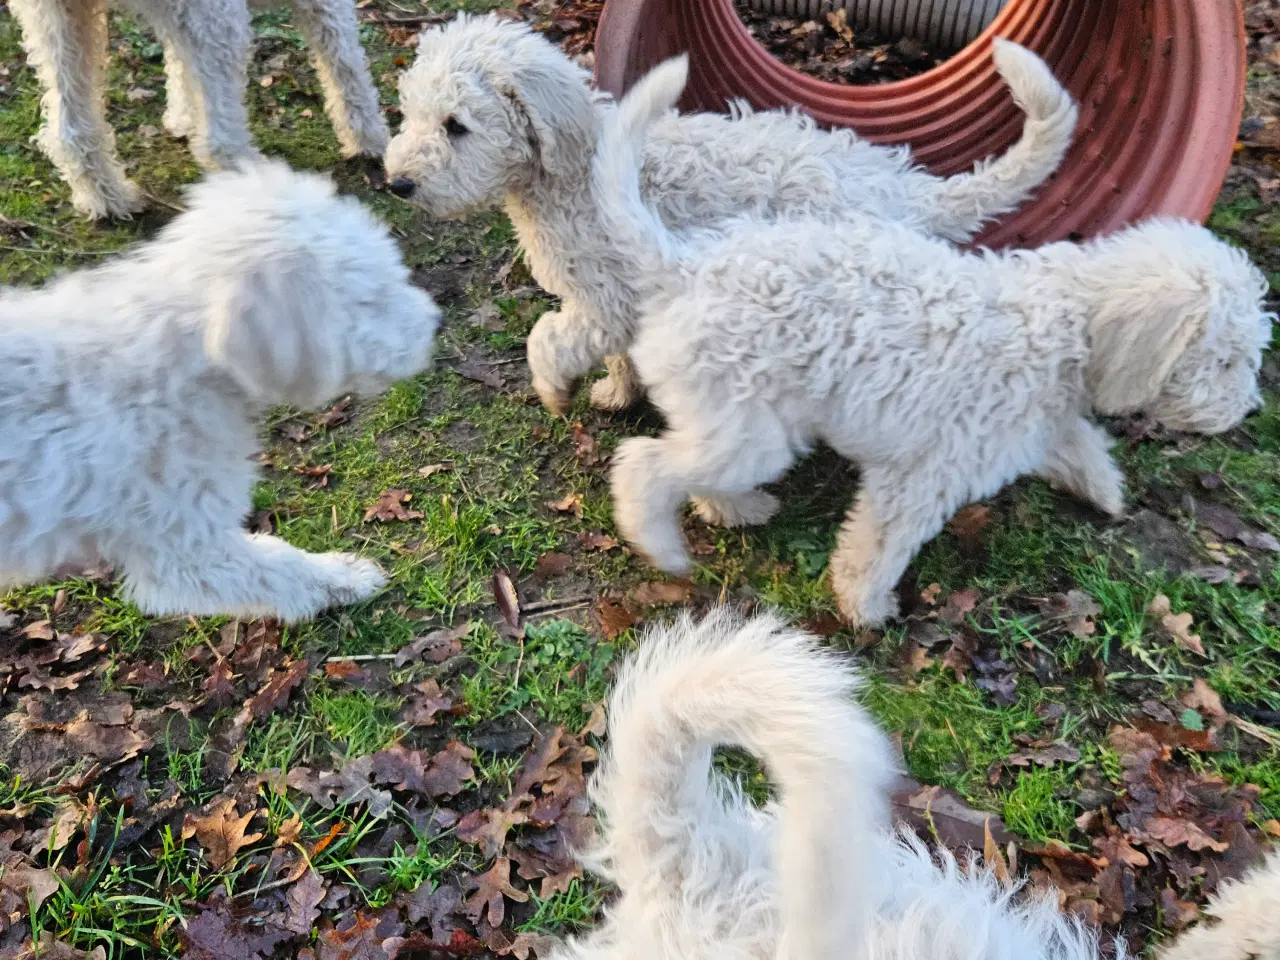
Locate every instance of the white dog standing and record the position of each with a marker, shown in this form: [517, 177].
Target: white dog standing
[819, 874]
[206, 52]
[494, 113]
[129, 394]
[943, 374]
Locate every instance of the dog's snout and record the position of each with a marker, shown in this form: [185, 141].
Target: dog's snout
[402, 187]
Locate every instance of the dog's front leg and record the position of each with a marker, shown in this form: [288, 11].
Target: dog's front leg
[1079, 461]
[237, 574]
[890, 520]
[181, 94]
[67, 45]
[350, 99]
[564, 345]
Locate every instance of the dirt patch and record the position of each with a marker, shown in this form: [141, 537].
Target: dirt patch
[830, 49]
[1155, 542]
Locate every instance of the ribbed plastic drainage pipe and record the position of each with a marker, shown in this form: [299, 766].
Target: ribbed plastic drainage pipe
[944, 25]
[1160, 84]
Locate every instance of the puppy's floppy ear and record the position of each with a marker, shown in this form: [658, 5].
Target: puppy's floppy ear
[274, 329]
[1133, 350]
[561, 115]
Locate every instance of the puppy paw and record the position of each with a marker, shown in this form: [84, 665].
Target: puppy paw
[179, 121]
[557, 400]
[613, 393]
[866, 611]
[350, 578]
[750, 509]
[120, 200]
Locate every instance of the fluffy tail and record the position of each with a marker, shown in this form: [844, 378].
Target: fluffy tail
[1000, 184]
[1245, 922]
[619, 155]
[759, 685]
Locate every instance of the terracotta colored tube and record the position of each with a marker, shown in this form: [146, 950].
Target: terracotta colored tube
[1160, 85]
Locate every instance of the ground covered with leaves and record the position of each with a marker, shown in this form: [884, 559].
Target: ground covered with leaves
[1089, 703]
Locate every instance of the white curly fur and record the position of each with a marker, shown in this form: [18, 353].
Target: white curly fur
[129, 393]
[531, 127]
[703, 873]
[943, 374]
[206, 51]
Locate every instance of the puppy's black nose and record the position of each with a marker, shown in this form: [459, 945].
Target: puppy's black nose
[402, 187]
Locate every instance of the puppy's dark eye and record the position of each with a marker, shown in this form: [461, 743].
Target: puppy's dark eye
[454, 128]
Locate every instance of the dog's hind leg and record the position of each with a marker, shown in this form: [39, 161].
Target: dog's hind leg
[652, 477]
[563, 345]
[750, 509]
[894, 514]
[66, 43]
[237, 574]
[212, 39]
[331, 31]
[621, 388]
[1079, 461]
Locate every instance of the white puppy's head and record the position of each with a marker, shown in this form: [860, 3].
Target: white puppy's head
[307, 295]
[1181, 327]
[489, 107]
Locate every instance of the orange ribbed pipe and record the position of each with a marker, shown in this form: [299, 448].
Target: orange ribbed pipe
[1160, 85]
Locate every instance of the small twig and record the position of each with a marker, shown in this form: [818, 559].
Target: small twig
[360, 658]
[499, 363]
[547, 613]
[409, 21]
[1265, 734]
[555, 604]
[175, 207]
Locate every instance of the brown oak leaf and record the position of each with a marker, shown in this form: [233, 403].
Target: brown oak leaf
[220, 831]
[390, 506]
[490, 889]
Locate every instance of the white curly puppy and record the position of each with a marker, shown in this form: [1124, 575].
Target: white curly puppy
[494, 113]
[130, 394]
[943, 374]
[206, 52]
[819, 874]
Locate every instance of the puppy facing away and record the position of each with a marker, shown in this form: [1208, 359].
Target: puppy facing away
[206, 53]
[129, 393]
[819, 873]
[494, 113]
[942, 374]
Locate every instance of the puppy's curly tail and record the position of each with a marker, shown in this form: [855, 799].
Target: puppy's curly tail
[618, 159]
[1243, 920]
[963, 203]
[768, 688]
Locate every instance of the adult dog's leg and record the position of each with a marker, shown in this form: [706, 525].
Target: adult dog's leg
[891, 518]
[182, 96]
[1080, 462]
[211, 38]
[563, 345]
[66, 42]
[748, 509]
[651, 478]
[236, 574]
[350, 98]
[621, 388]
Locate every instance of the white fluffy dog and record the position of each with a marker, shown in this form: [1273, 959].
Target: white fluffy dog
[206, 52]
[943, 374]
[129, 394]
[494, 113]
[819, 874]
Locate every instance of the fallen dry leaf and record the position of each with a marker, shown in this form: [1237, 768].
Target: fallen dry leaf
[1227, 524]
[357, 938]
[552, 565]
[425, 702]
[485, 373]
[340, 413]
[508, 601]
[598, 540]
[969, 523]
[275, 693]
[302, 903]
[390, 507]
[220, 831]
[943, 813]
[656, 592]
[1205, 699]
[960, 603]
[614, 619]
[1075, 609]
[569, 503]
[487, 828]
[586, 449]
[436, 646]
[213, 934]
[1045, 755]
[1176, 833]
[490, 888]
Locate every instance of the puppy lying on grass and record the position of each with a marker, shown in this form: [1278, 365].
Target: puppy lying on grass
[943, 374]
[819, 874]
[494, 113]
[130, 393]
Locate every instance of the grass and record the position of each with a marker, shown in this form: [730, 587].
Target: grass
[503, 458]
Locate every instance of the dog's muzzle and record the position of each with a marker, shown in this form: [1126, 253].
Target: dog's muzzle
[402, 187]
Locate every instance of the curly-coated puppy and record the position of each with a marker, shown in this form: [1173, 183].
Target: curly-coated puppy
[819, 874]
[494, 113]
[943, 374]
[129, 394]
[206, 53]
